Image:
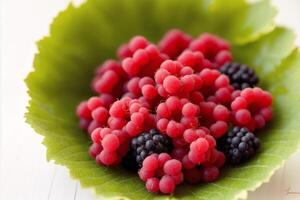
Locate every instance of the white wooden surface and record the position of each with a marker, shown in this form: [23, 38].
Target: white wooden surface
[24, 172]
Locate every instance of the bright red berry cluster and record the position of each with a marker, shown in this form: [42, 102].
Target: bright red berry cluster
[175, 87]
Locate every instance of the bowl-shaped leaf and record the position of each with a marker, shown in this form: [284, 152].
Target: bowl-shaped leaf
[82, 37]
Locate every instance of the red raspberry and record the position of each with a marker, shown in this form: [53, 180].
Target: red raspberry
[200, 146]
[83, 111]
[138, 42]
[110, 143]
[174, 129]
[145, 175]
[124, 51]
[172, 84]
[108, 158]
[221, 113]
[100, 114]
[150, 163]
[190, 110]
[178, 178]
[174, 42]
[195, 60]
[95, 149]
[163, 158]
[95, 136]
[223, 57]
[172, 167]
[162, 124]
[94, 102]
[218, 129]
[173, 103]
[190, 135]
[166, 184]
[133, 86]
[152, 185]
[187, 163]
[160, 75]
[210, 174]
[163, 111]
[149, 91]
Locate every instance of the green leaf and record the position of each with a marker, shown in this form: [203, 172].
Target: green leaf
[81, 38]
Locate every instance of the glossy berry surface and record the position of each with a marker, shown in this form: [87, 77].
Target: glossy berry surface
[149, 143]
[240, 145]
[241, 76]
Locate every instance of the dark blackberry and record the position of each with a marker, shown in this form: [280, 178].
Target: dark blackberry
[148, 143]
[241, 76]
[239, 145]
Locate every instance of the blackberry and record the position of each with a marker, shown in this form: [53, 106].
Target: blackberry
[240, 145]
[148, 143]
[241, 76]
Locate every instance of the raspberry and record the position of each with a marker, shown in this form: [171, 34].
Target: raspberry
[95, 149]
[94, 102]
[152, 185]
[187, 163]
[172, 167]
[241, 76]
[132, 128]
[116, 123]
[172, 84]
[195, 60]
[243, 116]
[163, 158]
[160, 75]
[190, 135]
[83, 111]
[100, 114]
[118, 109]
[223, 57]
[210, 174]
[240, 145]
[107, 99]
[133, 86]
[149, 143]
[110, 143]
[190, 110]
[209, 45]
[162, 124]
[149, 91]
[218, 129]
[166, 184]
[221, 113]
[199, 146]
[174, 129]
[95, 136]
[163, 111]
[178, 178]
[150, 163]
[174, 42]
[108, 158]
[107, 82]
[145, 174]
[173, 103]
[137, 42]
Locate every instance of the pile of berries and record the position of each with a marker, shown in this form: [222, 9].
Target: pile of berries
[161, 110]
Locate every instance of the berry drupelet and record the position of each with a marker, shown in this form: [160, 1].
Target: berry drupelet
[240, 145]
[149, 143]
[241, 76]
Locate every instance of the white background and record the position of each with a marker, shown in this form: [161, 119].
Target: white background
[24, 172]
